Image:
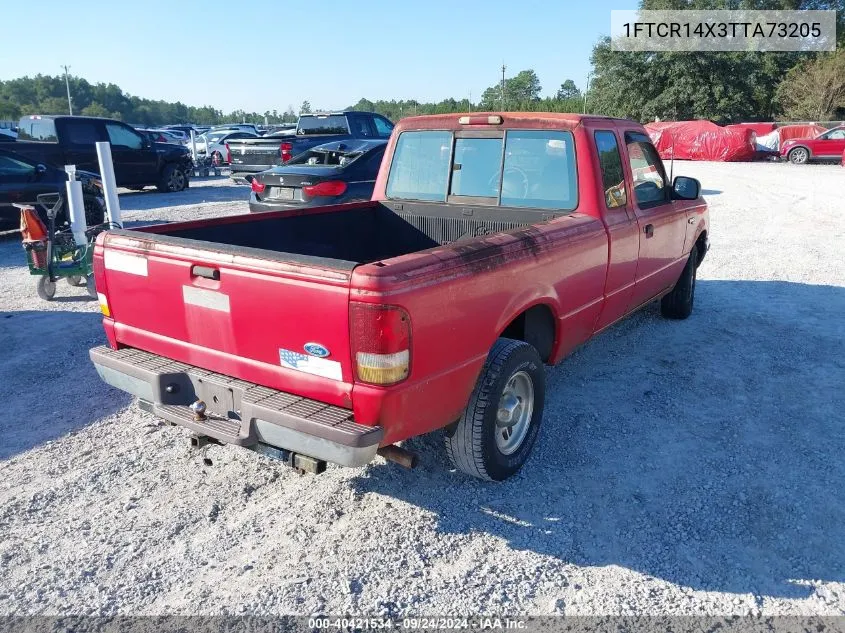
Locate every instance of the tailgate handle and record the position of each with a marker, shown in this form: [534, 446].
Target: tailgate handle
[205, 271]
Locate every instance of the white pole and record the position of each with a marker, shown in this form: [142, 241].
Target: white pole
[76, 212]
[194, 146]
[109, 182]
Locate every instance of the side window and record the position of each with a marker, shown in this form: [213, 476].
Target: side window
[383, 127]
[123, 136]
[647, 170]
[81, 132]
[12, 169]
[837, 135]
[612, 176]
[362, 127]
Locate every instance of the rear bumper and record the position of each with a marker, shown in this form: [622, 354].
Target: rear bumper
[238, 412]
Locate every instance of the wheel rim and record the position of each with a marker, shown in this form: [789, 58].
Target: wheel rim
[799, 156]
[177, 180]
[513, 415]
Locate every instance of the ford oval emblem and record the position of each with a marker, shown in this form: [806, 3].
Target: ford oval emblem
[315, 349]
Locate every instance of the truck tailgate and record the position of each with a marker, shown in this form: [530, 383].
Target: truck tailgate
[249, 154]
[245, 313]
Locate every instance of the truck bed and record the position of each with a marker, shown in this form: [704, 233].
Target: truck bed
[350, 234]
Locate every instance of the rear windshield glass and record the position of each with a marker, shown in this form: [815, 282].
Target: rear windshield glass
[323, 157]
[330, 124]
[536, 168]
[37, 130]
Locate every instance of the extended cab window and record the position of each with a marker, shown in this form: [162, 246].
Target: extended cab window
[647, 170]
[612, 176]
[123, 137]
[82, 133]
[420, 166]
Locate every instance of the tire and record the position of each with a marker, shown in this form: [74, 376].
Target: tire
[46, 289]
[476, 444]
[217, 159]
[173, 178]
[95, 212]
[76, 281]
[798, 156]
[89, 285]
[679, 302]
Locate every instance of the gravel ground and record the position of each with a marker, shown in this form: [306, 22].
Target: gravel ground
[687, 467]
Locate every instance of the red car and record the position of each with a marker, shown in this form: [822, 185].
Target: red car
[828, 145]
[495, 244]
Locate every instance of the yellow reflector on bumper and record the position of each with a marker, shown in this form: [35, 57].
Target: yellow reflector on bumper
[104, 304]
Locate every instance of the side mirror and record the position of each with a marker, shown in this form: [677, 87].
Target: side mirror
[684, 188]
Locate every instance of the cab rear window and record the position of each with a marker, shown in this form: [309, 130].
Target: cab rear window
[520, 168]
[331, 124]
[37, 130]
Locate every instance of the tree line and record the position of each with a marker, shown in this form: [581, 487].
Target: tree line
[723, 87]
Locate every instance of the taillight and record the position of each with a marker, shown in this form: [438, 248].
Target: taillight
[257, 187]
[285, 151]
[229, 155]
[328, 188]
[381, 342]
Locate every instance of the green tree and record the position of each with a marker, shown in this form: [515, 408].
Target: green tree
[567, 90]
[814, 89]
[95, 109]
[305, 108]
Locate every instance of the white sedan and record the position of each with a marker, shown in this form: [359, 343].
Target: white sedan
[213, 144]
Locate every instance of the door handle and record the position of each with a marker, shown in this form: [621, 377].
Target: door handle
[205, 271]
[649, 230]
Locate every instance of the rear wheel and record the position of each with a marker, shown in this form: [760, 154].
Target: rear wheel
[76, 281]
[172, 179]
[798, 156]
[46, 289]
[495, 435]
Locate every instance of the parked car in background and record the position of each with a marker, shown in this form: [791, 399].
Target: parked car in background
[333, 173]
[827, 146]
[185, 129]
[23, 179]
[494, 244]
[254, 155]
[213, 143]
[138, 162]
[243, 127]
[161, 136]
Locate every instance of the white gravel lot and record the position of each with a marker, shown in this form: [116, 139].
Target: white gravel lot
[690, 467]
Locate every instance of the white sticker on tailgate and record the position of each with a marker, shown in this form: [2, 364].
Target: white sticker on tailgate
[203, 298]
[125, 263]
[310, 364]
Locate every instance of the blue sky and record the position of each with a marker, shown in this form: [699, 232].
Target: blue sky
[269, 55]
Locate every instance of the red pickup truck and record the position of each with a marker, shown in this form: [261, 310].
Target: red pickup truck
[494, 244]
